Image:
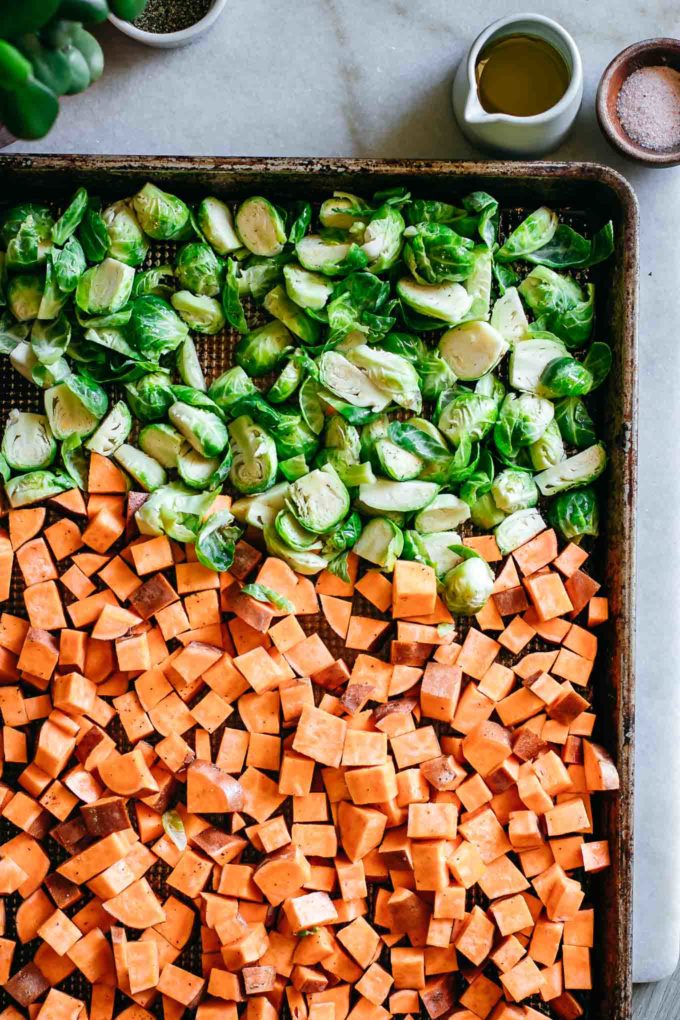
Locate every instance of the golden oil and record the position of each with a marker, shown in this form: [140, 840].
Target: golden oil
[520, 75]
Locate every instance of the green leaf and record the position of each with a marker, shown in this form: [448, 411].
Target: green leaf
[264, 594]
[417, 441]
[174, 829]
[338, 566]
[231, 301]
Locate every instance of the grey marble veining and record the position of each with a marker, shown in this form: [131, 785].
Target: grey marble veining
[373, 78]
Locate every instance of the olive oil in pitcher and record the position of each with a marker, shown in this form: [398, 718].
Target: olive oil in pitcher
[520, 75]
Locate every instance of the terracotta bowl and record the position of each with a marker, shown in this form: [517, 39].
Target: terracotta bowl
[650, 52]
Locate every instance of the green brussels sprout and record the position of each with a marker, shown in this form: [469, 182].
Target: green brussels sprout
[434, 253]
[38, 216]
[189, 366]
[105, 288]
[517, 529]
[448, 302]
[533, 232]
[162, 216]
[202, 314]
[198, 472]
[435, 374]
[112, 432]
[146, 471]
[581, 469]
[68, 265]
[27, 250]
[293, 534]
[303, 561]
[75, 407]
[468, 415]
[151, 396]
[521, 421]
[468, 585]
[406, 345]
[491, 386]
[308, 290]
[509, 318]
[229, 387]
[127, 242]
[287, 382]
[478, 283]
[349, 382]
[28, 443]
[560, 305]
[345, 536]
[260, 274]
[292, 435]
[53, 300]
[217, 226]
[71, 218]
[261, 509]
[162, 442]
[255, 460]
[343, 210]
[381, 542]
[371, 433]
[472, 349]
[262, 350]
[155, 328]
[439, 548]
[198, 269]
[395, 462]
[231, 298]
[260, 226]
[174, 510]
[549, 449]
[386, 496]
[216, 541]
[391, 373]
[414, 549]
[50, 340]
[23, 360]
[575, 514]
[294, 468]
[24, 295]
[93, 234]
[565, 377]
[205, 431]
[330, 256]
[575, 424]
[445, 513]
[319, 500]
[75, 462]
[529, 358]
[11, 333]
[151, 281]
[382, 239]
[278, 304]
[514, 490]
[35, 486]
[485, 514]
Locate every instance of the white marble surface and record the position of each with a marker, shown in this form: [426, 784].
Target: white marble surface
[372, 78]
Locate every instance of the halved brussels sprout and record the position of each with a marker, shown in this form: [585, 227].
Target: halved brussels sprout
[105, 288]
[485, 514]
[229, 387]
[255, 460]
[288, 380]
[473, 349]
[216, 541]
[303, 561]
[200, 472]
[448, 302]
[509, 318]
[343, 210]
[205, 431]
[478, 283]
[23, 360]
[294, 468]
[202, 314]
[112, 432]
[565, 377]
[151, 396]
[560, 305]
[68, 265]
[382, 238]
[262, 350]
[319, 500]
[435, 253]
[174, 510]
[36, 486]
[445, 513]
[28, 443]
[146, 471]
[293, 534]
[514, 490]
[37, 216]
[468, 585]
[391, 373]
[575, 514]
[24, 296]
[260, 226]
[68, 413]
[162, 442]
[329, 256]
[381, 542]
[581, 469]
[127, 241]
[349, 382]
[189, 367]
[549, 449]
[50, 340]
[278, 304]
[532, 233]
[261, 509]
[517, 529]
[437, 546]
[217, 226]
[397, 463]
[383, 496]
[308, 290]
[468, 415]
[529, 358]
[198, 269]
[162, 216]
[53, 299]
[521, 421]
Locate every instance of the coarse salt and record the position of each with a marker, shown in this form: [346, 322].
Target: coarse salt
[648, 107]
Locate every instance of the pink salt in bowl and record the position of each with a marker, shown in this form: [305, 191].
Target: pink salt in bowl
[639, 106]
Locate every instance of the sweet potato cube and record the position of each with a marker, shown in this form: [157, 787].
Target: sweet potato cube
[475, 941]
[308, 911]
[210, 790]
[523, 980]
[440, 691]
[486, 746]
[414, 589]
[511, 914]
[549, 596]
[259, 669]
[43, 605]
[536, 553]
[320, 736]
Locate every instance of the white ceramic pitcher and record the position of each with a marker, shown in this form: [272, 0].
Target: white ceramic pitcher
[518, 136]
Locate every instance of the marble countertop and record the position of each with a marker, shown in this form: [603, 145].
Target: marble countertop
[373, 78]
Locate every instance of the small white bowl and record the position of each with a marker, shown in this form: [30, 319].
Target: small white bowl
[171, 40]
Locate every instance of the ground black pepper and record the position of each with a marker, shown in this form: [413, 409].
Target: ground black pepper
[163, 16]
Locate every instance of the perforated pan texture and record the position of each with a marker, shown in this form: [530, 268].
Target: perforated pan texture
[584, 195]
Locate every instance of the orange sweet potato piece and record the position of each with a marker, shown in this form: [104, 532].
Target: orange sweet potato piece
[104, 476]
[337, 613]
[210, 790]
[25, 525]
[128, 774]
[137, 906]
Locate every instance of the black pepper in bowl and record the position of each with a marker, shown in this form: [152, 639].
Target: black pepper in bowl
[165, 16]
